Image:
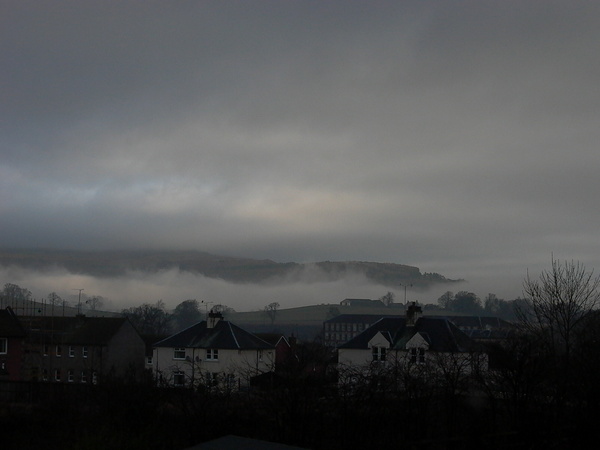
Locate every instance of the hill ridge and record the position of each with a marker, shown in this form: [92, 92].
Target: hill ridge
[115, 263]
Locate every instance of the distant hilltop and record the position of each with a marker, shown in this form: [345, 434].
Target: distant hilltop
[236, 270]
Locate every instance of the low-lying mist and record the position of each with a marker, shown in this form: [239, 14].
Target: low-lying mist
[307, 286]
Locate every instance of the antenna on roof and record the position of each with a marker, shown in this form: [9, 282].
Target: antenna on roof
[206, 305]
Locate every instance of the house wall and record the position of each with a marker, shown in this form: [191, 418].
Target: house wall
[465, 362]
[243, 364]
[82, 361]
[121, 356]
[125, 353]
[10, 362]
[354, 357]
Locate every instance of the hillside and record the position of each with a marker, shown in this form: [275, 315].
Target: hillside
[237, 270]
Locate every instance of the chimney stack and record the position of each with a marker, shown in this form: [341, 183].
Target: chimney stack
[413, 312]
[213, 319]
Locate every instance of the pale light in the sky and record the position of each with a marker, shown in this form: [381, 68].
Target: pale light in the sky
[458, 137]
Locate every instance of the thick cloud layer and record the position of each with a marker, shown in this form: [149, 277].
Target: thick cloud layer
[459, 137]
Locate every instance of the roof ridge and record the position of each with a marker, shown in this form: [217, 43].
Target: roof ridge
[233, 334]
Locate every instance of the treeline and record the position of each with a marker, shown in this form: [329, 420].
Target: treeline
[468, 303]
[152, 319]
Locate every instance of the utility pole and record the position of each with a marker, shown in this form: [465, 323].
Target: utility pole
[405, 286]
[79, 301]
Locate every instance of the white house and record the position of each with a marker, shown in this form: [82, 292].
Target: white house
[213, 353]
[411, 340]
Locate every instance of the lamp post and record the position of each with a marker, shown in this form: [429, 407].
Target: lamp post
[405, 286]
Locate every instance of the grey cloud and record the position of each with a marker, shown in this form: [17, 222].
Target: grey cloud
[444, 135]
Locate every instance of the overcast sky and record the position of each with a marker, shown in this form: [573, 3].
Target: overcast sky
[460, 137]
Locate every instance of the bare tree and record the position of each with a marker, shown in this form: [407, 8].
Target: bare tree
[94, 302]
[54, 299]
[149, 319]
[554, 309]
[223, 309]
[271, 311]
[387, 299]
[15, 293]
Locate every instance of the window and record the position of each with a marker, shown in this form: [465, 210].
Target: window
[71, 351]
[212, 354]
[379, 353]
[84, 351]
[417, 355]
[94, 378]
[70, 376]
[178, 378]
[179, 353]
[45, 375]
[149, 360]
[56, 374]
[3, 346]
[46, 349]
[58, 351]
[83, 377]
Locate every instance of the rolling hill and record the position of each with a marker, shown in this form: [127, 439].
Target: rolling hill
[232, 269]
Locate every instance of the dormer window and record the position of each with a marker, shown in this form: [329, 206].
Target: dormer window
[379, 353]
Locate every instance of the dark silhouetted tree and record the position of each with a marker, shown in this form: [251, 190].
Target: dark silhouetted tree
[271, 311]
[556, 304]
[387, 299]
[94, 302]
[223, 309]
[15, 293]
[466, 302]
[186, 314]
[445, 300]
[55, 299]
[152, 320]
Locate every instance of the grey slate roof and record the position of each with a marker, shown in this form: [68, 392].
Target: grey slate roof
[441, 335]
[355, 318]
[79, 330]
[224, 335]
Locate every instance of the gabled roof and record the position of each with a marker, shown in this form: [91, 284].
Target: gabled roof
[478, 322]
[224, 335]
[440, 334]
[273, 338]
[9, 324]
